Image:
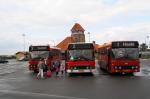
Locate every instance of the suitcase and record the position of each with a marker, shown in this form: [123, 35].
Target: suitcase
[49, 73]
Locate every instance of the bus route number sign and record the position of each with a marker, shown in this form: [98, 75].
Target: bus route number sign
[125, 44]
[38, 48]
[129, 44]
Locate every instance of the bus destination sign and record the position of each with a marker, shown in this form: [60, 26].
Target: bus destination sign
[125, 44]
[39, 48]
[80, 46]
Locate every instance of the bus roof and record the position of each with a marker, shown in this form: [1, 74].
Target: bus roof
[53, 47]
[80, 43]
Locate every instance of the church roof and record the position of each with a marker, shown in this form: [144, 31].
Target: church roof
[64, 44]
[77, 27]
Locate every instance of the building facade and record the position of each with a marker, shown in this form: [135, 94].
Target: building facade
[77, 33]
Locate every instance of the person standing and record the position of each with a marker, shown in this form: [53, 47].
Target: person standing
[57, 67]
[45, 67]
[41, 64]
[62, 68]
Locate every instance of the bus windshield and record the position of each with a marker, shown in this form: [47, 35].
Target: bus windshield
[81, 55]
[39, 54]
[125, 53]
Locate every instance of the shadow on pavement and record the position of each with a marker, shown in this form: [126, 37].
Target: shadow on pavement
[80, 75]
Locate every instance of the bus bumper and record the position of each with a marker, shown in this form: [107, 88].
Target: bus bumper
[81, 71]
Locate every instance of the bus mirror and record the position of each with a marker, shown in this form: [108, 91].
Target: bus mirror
[29, 49]
[140, 55]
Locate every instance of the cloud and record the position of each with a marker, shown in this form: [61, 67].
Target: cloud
[49, 21]
[52, 13]
[136, 32]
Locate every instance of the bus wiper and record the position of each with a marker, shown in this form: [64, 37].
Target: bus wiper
[126, 56]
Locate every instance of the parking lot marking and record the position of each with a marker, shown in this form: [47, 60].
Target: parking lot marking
[37, 94]
[7, 79]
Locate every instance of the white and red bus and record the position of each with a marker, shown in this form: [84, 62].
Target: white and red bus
[45, 52]
[80, 58]
[119, 57]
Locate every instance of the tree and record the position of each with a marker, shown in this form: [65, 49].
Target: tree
[143, 47]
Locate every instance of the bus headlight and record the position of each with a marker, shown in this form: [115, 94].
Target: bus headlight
[136, 67]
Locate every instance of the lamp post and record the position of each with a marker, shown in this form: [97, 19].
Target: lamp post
[52, 41]
[146, 37]
[23, 35]
[89, 36]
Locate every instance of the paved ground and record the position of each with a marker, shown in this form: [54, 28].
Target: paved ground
[16, 82]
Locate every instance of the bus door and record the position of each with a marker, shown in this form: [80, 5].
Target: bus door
[108, 59]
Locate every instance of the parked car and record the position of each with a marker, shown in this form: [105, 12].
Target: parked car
[3, 60]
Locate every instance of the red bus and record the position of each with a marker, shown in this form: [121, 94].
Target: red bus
[80, 58]
[56, 55]
[119, 57]
[38, 52]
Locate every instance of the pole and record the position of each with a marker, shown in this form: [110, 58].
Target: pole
[148, 40]
[89, 36]
[23, 41]
[54, 42]
[145, 40]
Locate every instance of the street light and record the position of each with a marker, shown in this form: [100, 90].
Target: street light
[24, 41]
[89, 36]
[146, 37]
[52, 41]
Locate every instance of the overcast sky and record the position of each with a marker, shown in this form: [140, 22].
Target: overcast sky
[50, 21]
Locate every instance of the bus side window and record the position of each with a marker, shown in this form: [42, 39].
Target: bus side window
[102, 52]
[111, 54]
[50, 55]
[107, 52]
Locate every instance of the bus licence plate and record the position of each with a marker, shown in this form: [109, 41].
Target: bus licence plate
[81, 71]
[125, 70]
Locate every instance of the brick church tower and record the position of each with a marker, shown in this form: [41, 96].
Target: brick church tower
[77, 33]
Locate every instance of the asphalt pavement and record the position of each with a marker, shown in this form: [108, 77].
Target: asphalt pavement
[17, 82]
